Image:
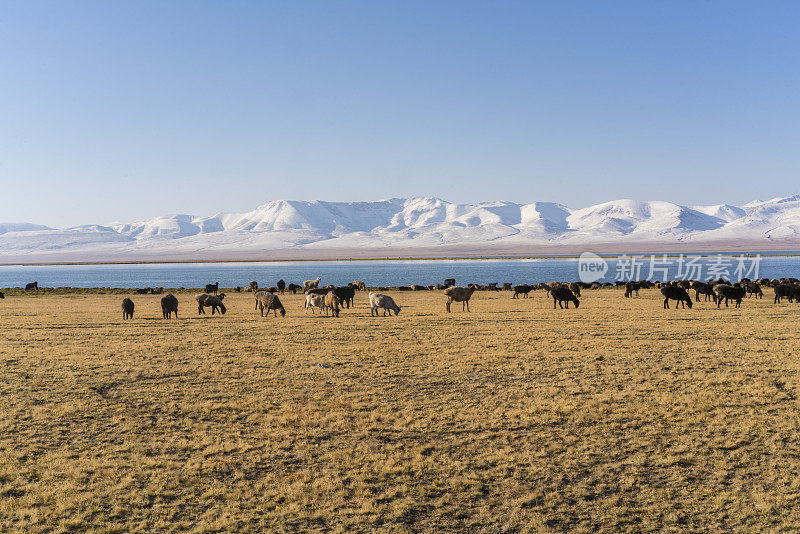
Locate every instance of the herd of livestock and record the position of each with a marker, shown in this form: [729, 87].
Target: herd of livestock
[331, 299]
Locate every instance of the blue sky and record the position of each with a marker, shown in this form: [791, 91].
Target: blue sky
[121, 110]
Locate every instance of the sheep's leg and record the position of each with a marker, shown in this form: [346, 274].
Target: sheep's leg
[666, 303]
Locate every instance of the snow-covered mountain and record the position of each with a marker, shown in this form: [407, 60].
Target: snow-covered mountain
[404, 227]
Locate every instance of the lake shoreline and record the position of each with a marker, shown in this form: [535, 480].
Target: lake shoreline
[776, 254]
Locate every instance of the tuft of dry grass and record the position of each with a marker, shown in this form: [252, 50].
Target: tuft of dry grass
[617, 416]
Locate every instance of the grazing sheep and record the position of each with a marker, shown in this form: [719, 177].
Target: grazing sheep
[631, 288]
[751, 288]
[157, 291]
[507, 286]
[310, 284]
[281, 285]
[727, 292]
[169, 305]
[522, 289]
[253, 286]
[215, 302]
[385, 302]
[331, 303]
[459, 294]
[314, 300]
[676, 293]
[575, 288]
[788, 291]
[212, 288]
[269, 301]
[701, 288]
[145, 291]
[127, 309]
[361, 286]
[294, 288]
[563, 294]
[32, 285]
[346, 295]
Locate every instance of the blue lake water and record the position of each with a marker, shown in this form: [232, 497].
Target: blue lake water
[391, 273]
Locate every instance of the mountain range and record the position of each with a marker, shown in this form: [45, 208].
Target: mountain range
[415, 227]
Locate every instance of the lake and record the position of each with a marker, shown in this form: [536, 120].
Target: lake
[396, 272]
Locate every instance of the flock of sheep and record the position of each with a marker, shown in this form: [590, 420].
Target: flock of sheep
[331, 299]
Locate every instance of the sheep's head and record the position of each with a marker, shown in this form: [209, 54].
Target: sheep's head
[283, 312]
[222, 309]
[221, 296]
[397, 311]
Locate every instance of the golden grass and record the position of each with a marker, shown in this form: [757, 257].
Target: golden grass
[617, 416]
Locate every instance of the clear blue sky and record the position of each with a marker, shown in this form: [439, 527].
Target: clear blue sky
[121, 110]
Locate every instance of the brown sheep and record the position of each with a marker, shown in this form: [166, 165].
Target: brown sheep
[310, 284]
[563, 294]
[215, 302]
[361, 286]
[269, 301]
[727, 292]
[169, 305]
[787, 291]
[459, 294]
[676, 293]
[575, 288]
[631, 288]
[331, 303]
[127, 308]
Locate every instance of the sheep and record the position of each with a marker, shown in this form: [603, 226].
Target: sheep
[127, 309]
[631, 288]
[361, 286]
[448, 282]
[314, 300]
[458, 294]
[727, 292]
[294, 288]
[751, 288]
[595, 285]
[701, 288]
[379, 300]
[331, 303]
[787, 291]
[212, 288]
[575, 288]
[281, 285]
[346, 295]
[2, 296]
[169, 305]
[31, 286]
[144, 291]
[563, 294]
[269, 301]
[215, 302]
[253, 286]
[676, 293]
[507, 286]
[310, 284]
[522, 289]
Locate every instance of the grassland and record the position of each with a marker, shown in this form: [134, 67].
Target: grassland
[617, 416]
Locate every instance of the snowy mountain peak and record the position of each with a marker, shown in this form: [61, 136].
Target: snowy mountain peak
[411, 223]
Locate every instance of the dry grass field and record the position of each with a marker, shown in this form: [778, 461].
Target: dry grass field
[617, 416]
